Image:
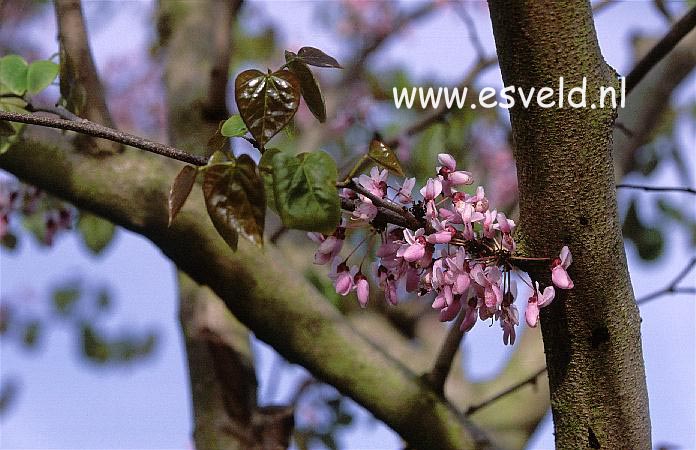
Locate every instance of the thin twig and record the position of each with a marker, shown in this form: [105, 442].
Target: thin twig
[666, 44]
[672, 286]
[278, 234]
[624, 129]
[353, 72]
[470, 25]
[530, 380]
[383, 215]
[84, 126]
[443, 363]
[656, 188]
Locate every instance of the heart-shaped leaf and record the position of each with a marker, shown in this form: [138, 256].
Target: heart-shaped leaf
[385, 157]
[305, 191]
[234, 127]
[13, 73]
[235, 200]
[40, 75]
[315, 57]
[266, 173]
[181, 188]
[310, 88]
[266, 102]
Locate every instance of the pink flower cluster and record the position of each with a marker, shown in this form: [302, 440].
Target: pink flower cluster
[464, 251]
[27, 200]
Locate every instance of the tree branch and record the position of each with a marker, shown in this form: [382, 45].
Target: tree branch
[656, 188]
[470, 25]
[79, 81]
[672, 286]
[89, 128]
[443, 362]
[680, 29]
[531, 379]
[352, 73]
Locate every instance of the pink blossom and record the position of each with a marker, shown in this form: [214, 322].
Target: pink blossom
[432, 188]
[451, 176]
[376, 183]
[449, 312]
[414, 248]
[469, 315]
[488, 227]
[509, 317]
[537, 301]
[559, 275]
[505, 225]
[404, 193]
[343, 281]
[362, 287]
[329, 246]
[443, 232]
[489, 280]
[365, 210]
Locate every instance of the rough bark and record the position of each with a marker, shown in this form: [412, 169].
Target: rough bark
[567, 196]
[80, 83]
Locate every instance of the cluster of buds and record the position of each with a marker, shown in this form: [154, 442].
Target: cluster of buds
[27, 200]
[463, 253]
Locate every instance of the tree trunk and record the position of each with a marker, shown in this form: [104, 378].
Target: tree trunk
[567, 197]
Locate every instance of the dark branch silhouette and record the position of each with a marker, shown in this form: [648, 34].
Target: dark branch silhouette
[672, 287]
[656, 188]
[666, 44]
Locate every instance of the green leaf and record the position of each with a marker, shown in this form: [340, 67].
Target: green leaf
[65, 298]
[266, 173]
[266, 102]
[180, 190]
[305, 191]
[315, 57]
[236, 201]
[97, 233]
[648, 240]
[13, 73]
[310, 89]
[385, 157]
[11, 104]
[234, 127]
[94, 346]
[31, 334]
[9, 241]
[40, 75]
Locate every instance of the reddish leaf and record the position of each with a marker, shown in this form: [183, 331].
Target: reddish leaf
[266, 102]
[310, 89]
[236, 202]
[315, 57]
[183, 183]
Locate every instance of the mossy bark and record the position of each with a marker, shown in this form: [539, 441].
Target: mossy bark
[567, 197]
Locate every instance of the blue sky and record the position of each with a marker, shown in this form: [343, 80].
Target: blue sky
[65, 403]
